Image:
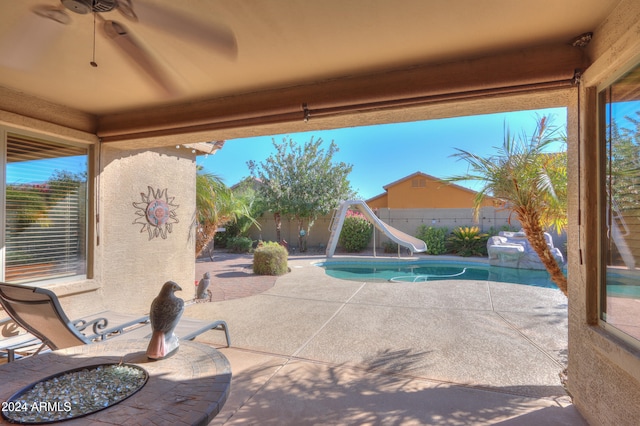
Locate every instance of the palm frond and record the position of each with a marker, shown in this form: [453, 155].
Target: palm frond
[522, 174]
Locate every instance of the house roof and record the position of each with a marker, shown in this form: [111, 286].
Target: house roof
[222, 69]
[375, 197]
[254, 182]
[411, 176]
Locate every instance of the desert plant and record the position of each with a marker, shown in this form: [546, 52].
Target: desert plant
[468, 241]
[435, 238]
[239, 244]
[270, 259]
[356, 232]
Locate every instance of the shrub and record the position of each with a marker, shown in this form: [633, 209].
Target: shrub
[239, 244]
[356, 232]
[434, 237]
[270, 259]
[468, 241]
[231, 231]
[495, 231]
[390, 247]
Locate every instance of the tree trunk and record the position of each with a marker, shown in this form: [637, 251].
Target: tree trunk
[204, 237]
[301, 236]
[276, 217]
[535, 235]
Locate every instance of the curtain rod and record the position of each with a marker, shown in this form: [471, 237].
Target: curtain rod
[310, 113]
[306, 112]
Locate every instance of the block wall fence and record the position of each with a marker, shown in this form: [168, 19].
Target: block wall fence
[405, 220]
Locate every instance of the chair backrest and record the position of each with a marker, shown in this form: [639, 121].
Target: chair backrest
[38, 311]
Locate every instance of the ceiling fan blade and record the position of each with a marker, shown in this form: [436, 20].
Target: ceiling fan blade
[133, 50]
[30, 38]
[217, 37]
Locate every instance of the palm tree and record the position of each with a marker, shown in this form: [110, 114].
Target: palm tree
[216, 205]
[532, 183]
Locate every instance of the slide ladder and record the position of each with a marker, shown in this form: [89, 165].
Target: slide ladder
[335, 226]
[413, 244]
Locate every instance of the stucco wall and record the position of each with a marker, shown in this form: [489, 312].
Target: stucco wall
[133, 266]
[604, 372]
[379, 201]
[421, 191]
[434, 194]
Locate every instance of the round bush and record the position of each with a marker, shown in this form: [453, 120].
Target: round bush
[270, 259]
[356, 233]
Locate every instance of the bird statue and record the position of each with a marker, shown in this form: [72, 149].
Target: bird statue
[203, 285]
[166, 310]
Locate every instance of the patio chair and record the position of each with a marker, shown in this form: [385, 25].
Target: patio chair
[38, 311]
[14, 341]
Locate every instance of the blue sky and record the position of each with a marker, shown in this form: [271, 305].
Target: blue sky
[382, 154]
[39, 171]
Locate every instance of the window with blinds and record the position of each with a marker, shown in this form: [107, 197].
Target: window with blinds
[45, 210]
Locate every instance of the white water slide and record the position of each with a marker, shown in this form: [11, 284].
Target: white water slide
[412, 243]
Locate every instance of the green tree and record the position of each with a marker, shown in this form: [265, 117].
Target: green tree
[64, 181]
[624, 151]
[302, 182]
[246, 191]
[216, 205]
[532, 182]
[623, 180]
[27, 204]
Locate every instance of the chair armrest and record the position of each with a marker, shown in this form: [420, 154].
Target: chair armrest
[98, 325]
[109, 324]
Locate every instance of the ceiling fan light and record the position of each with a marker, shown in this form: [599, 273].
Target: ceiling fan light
[86, 6]
[104, 5]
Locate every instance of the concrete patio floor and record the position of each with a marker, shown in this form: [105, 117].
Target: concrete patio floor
[311, 349]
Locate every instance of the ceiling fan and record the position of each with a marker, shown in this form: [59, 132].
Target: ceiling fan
[47, 21]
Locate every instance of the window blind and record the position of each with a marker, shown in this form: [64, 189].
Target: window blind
[45, 210]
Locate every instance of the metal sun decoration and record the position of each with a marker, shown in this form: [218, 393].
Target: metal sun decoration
[156, 213]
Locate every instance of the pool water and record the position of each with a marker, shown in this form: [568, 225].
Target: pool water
[435, 270]
[623, 283]
[429, 270]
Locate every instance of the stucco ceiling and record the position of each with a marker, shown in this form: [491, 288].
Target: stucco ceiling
[280, 43]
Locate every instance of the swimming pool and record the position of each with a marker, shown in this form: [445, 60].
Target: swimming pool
[407, 271]
[424, 270]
